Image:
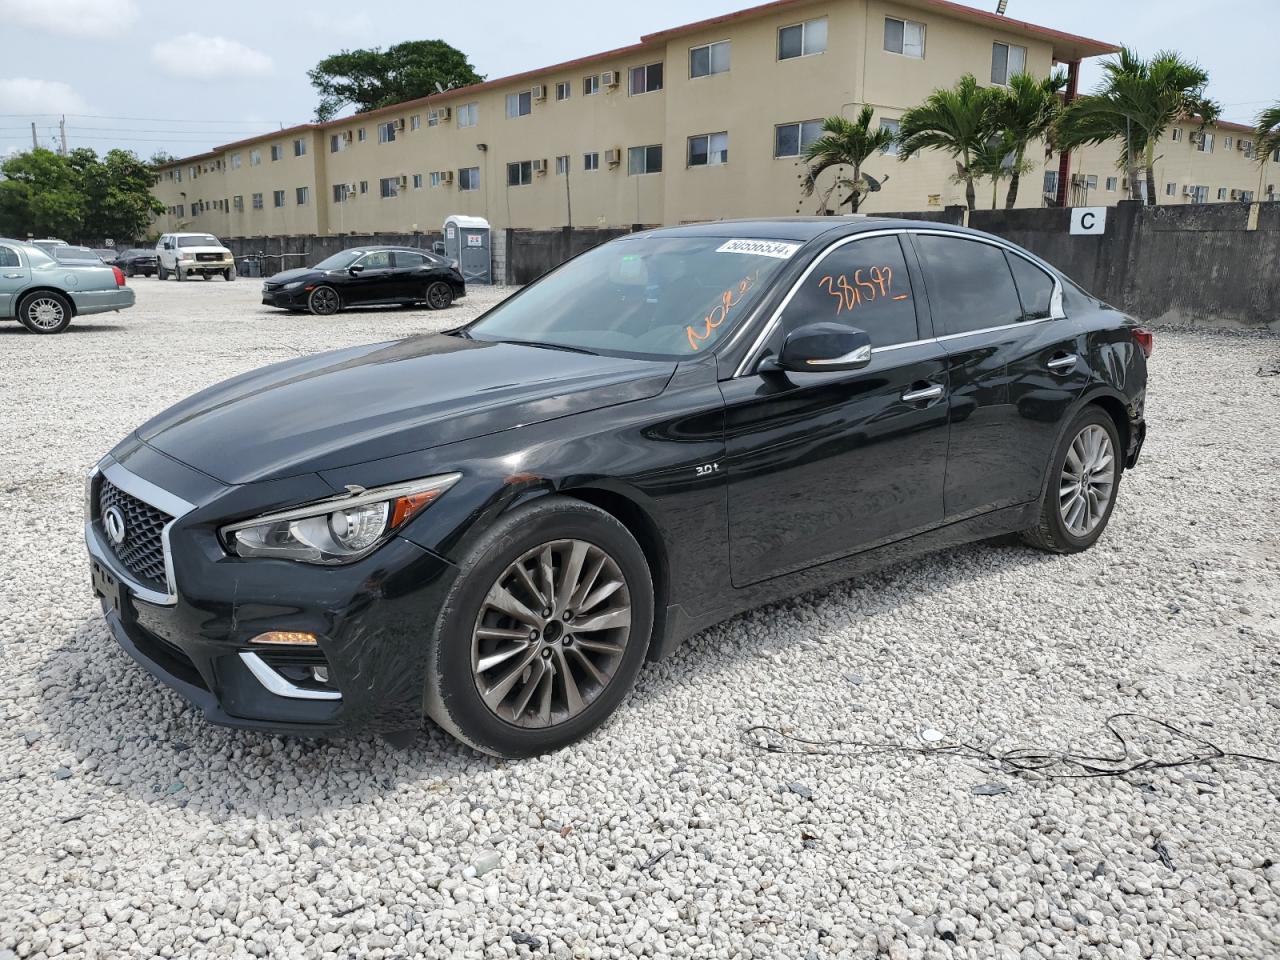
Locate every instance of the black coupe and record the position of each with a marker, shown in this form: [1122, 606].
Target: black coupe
[136, 261]
[497, 526]
[367, 276]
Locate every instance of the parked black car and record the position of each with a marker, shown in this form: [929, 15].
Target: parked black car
[365, 277]
[497, 526]
[136, 261]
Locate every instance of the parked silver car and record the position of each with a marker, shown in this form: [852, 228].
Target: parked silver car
[43, 294]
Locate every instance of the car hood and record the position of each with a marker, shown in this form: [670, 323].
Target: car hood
[286, 276]
[381, 400]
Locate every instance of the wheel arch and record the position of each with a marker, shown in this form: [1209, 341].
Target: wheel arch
[45, 288]
[1115, 408]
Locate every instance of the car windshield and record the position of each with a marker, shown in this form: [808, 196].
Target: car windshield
[200, 240]
[339, 261]
[656, 297]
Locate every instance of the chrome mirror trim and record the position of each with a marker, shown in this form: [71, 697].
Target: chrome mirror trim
[860, 355]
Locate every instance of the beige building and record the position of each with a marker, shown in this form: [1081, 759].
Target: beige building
[703, 121]
[1216, 164]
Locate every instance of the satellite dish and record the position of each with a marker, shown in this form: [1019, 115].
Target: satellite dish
[439, 89]
[873, 185]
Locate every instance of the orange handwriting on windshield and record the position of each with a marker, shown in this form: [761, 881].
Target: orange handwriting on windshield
[720, 312]
[876, 285]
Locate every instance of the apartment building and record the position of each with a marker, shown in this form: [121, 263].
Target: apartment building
[702, 121]
[1216, 164]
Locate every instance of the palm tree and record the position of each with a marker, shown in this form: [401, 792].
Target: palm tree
[997, 158]
[1136, 102]
[844, 143]
[1268, 134]
[1028, 111]
[960, 121]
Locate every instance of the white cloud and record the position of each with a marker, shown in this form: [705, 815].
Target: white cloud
[27, 96]
[208, 58]
[79, 18]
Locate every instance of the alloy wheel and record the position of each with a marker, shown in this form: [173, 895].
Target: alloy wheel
[551, 633]
[324, 301]
[1088, 480]
[45, 313]
[439, 296]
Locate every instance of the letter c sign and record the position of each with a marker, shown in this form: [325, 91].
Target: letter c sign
[1088, 221]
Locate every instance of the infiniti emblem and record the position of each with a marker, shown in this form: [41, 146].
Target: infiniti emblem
[113, 523]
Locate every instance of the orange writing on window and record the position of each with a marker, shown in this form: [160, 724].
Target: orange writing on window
[728, 300]
[877, 284]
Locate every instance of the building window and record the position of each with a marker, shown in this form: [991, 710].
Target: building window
[256, 199]
[339, 192]
[237, 203]
[646, 79]
[277, 152]
[792, 139]
[277, 198]
[335, 143]
[802, 39]
[1007, 60]
[890, 149]
[361, 135]
[437, 178]
[1177, 134]
[255, 157]
[389, 187]
[417, 181]
[904, 36]
[709, 150]
[1222, 193]
[1204, 143]
[562, 165]
[519, 104]
[300, 147]
[1170, 189]
[591, 161]
[642, 160]
[1246, 196]
[1227, 143]
[709, 59]
[520, 174]
[562, 90]
[364, 186]
[387, 132]
[469, 178]
[1112, 183]
[1199, 194]
[591, 85]
[1275, 157]
[235, 161]
[303, 195]
[415, 122]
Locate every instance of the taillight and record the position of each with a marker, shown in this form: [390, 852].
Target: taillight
[119, 276]
[1145, 339]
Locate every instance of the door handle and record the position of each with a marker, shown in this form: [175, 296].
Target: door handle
[13, 276]
[931, 392]
[1063, 364]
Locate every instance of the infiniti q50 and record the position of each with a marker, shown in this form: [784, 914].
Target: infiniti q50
[496, 527]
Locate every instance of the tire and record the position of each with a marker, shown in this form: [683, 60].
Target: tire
[130, 272]
[179, 272]
[548, 719]
[1088, 459]
[228, 275]
[206, 275]
[439, 295]
[161, 273]
[324, 301]
[45, 312]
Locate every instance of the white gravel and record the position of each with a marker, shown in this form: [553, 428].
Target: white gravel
[131, 828]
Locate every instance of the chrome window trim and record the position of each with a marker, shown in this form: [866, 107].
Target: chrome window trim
[279, 685]
[154, 496]
[1056, 311]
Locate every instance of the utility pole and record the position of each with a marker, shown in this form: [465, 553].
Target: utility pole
[62, 130]
[35, 144]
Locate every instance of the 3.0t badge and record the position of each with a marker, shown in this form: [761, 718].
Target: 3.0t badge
[113, 523]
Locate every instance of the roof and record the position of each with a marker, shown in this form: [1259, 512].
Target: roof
[798, 229]
[1066, 47]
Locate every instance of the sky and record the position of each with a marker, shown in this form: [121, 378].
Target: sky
[147, 75]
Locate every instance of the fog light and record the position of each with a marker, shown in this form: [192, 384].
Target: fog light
[286, 638]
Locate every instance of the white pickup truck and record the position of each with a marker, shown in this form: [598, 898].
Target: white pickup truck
[185, 255]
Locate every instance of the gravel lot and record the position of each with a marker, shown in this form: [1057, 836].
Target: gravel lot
[129, 827]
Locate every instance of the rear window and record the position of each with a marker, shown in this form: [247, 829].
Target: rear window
[1035, 287]
[969, 283]
[198, 241]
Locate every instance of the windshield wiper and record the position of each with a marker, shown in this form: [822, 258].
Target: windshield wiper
[552, 346]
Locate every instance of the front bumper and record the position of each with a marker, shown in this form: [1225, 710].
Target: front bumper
[102, 301]
[374, 620]
[285, 299]
[204, 266]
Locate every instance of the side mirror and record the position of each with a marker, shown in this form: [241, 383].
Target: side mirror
[822, 347]
[353, 270]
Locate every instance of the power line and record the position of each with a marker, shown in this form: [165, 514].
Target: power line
[103, 116]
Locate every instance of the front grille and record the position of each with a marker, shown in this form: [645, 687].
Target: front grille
[141, 552]
[208, 256]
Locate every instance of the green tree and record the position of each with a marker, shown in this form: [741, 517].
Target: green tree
[1028, 110]
[1268, 139]
[118, 197]
[996, 158]
[1136, 103]
[959, 121]
[373, 78]
[844, 143]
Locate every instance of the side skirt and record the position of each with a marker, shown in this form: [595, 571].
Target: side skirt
[680, 625]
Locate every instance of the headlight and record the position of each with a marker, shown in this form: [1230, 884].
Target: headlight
[295, 285]
[339, 530]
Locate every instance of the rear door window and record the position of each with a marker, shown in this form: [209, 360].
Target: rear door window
[9, 257]
[1035, 287]
[863, 284]
[970, 286]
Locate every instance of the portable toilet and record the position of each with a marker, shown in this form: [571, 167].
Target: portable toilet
[467, 240]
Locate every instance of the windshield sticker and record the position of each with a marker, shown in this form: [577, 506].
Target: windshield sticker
[849, 295]
[778, 249]
[728, 300]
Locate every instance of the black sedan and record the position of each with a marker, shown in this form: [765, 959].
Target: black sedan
[366, 277]
[136, 261]
[497, 526]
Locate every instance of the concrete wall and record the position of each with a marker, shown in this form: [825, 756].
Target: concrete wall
[531, 253]
[286, 252]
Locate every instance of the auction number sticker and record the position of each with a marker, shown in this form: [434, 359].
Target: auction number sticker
[778, 249]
